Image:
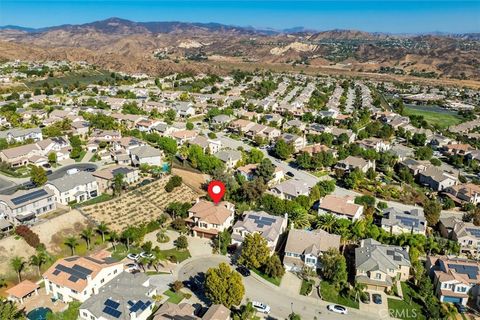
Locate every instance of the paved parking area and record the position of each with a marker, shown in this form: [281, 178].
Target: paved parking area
[379, 309]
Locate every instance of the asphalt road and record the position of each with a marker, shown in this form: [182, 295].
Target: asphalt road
[281, 302]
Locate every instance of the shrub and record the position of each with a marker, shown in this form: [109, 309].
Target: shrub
[177, 285]
[28, 235]
[172, 183]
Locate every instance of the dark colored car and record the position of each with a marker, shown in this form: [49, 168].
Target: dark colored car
[377, 299]
[243, 271]
[89, 169]
[47, 165]
[461, 308]
[290, 174]
[48, 172]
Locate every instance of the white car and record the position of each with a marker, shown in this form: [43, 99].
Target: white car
[133, 256]
[146, 255]
[337, 309]
[261, 307]
[131, 267]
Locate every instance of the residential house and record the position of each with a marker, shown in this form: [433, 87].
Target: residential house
[19, 156]
[78, 278]
[341, 207]
[379, 266]
[184, 136]
[414, 166]
[184, 109]
[21, 135]
[397, 222]
[229, 157]
[210, 146]
[297, 141]
[146, 155]
[248, 171]
[241, 125]
[107, 136]
[376, 144]
[126, 144]
[80, 128]
[457, 149]
[439, 142]
[105, 177]
[146, 125]
[126, 297]
[455, 279]
[304, 248]
[221, 121]
[465, 192]
[436, 178]
[185, 311]
[401, 152]
[465, 233]
[268, 226]
[351, 163]
[318, 148]
[26, 205]
[77, 187]
[295, 123]
[207, 219]
[349, 134]
[290, 189]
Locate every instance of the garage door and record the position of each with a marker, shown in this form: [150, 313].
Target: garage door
[452, 299]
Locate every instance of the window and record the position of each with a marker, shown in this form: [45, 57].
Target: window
[102, 281]
[378, 276]
[115, 271]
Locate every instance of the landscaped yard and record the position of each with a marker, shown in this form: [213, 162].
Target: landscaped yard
[275, 281]
[139, 206]
[306, 288]
[406, 308]
[434, 115]
[173, 255]
[174, 297]
[330, 293]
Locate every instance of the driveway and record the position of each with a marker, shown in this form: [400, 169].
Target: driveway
[291, 283]
[281, 302]
[380, 309]
[63, 170]
[161, 282]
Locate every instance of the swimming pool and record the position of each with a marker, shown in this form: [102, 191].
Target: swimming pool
[38, 313]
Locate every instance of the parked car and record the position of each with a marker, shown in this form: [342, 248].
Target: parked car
[46, 165]
[133, 256]
[48, 172]
[461, 308]
[377, 299]
[146, 255]
[337, 309]
[89, 169]
[290, 174]
[264, 308]
[132, 268]
[243, 271]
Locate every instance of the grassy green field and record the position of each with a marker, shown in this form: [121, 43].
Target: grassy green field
[275, 281]
[434, 116]
[406, 308]
[83, 77]
[174, 297]
[330, 293]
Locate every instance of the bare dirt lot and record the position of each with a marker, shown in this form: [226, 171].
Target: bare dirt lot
[138, 206]
[192, 179]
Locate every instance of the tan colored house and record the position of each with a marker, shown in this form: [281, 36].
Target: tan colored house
[23, 290]
[378, 265]
[465, 233]
[207, 219]
[465, 192]
[105, 177]
[351, 163]
[342, 207]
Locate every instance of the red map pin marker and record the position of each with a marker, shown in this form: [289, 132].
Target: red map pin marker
[216, 190]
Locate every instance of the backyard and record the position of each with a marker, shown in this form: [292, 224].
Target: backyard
[138, 206]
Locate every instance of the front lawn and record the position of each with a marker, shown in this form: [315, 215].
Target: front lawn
[101, 198]
[172, 255]
[330, 293]
[307, 286]
[406, 308]
[80, 157]
[275, 281]
[174, 297]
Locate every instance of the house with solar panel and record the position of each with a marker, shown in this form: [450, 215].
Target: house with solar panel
[465, 233]
[127, 297]
[397, 222]
[379, 266]
[26, 205]
[455, 279]
[78, 278]
[77, 187]
[268, 226]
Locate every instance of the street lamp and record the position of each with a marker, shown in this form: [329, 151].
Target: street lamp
[291, 306]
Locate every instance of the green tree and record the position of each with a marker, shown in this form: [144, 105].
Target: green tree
[167, 144]
[326, 222]
[283, 150]
[72, 243]
[189, 126]
[274, 267]
[17, 264]
[181, 243]
[38, 176]
[294, 316]
[255, 251]
[114, 237]
[9, 310]
[87, 235]
[334, 267]
[265, 170]
[424, 153]
[102, 228]
[52, 157]
[432, 209]
[118, 184]
[224, 286]
[37, 260]
[255, 156]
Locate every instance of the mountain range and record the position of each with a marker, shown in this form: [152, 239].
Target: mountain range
[164, 47]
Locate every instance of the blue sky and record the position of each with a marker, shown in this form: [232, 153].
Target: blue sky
[407, 16]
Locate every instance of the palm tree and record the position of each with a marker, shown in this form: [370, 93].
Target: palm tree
[144, 262]
[118, 184]
[183, 152]
[155, 261]
[102, 228]
[17, 264]
[358, 289]
[327, 222]
[87, 234]
[114, 239]
[37, 260]
[162, 234]
[9, 311]
[71, 242]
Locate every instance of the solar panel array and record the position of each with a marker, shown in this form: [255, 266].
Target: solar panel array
[261, 221]
[407, 221]
[29, 196]
[471, 271]
[475, 232]
[76, 272]
[139, 305]
[111, 308]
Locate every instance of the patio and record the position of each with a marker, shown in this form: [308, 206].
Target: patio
[42, 300]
